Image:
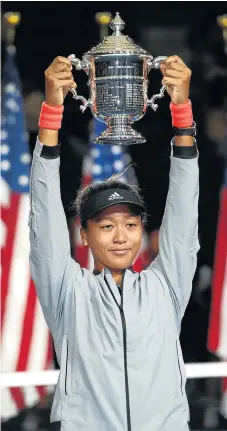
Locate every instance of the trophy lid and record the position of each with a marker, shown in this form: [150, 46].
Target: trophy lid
[116, 43]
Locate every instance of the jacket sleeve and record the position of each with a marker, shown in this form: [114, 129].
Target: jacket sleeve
[178, 236]
[52, 268]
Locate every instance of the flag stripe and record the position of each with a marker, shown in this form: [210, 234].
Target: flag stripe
[218, 277]
[19, 282]
[28, 320]
[7, 251]
[23, 328]
[222, 348]
[18, 286]
[8, 405]
[18, 397]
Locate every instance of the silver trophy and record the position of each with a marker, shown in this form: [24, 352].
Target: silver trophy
[118, 80]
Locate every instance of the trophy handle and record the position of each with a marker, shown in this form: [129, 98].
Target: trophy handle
[150, 102]
[86, 103]
[155, 64]
[80, 65]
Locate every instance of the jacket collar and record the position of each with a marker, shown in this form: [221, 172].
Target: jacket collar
[107, 271]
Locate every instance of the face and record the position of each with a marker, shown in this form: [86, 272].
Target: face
[114, 236]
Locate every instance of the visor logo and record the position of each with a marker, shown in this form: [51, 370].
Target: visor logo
[115, 195]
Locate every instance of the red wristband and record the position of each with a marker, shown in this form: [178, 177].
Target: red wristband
[182, 114]
[50, 117]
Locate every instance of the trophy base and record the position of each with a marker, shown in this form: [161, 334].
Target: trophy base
[119, 132]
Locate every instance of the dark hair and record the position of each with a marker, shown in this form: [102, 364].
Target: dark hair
[85, 193]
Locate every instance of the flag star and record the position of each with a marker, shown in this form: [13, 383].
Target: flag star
[116, 149]
[25, 158]
[10, 88]
[4, 149]
[96, 169]
[23, 180]
[12, 105]
[4, 135]
[5, 165]
[95, 152]
[118, 165]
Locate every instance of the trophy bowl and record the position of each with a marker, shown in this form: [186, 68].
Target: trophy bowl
[118, 82]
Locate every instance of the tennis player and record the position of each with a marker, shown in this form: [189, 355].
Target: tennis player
[116, 332]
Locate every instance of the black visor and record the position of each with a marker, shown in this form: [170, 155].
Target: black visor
[106, 198]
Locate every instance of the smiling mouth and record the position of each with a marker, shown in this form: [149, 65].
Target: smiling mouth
[120, 252]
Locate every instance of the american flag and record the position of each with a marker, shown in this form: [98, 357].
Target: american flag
[217, 334]
[25, 340]
[102, 162]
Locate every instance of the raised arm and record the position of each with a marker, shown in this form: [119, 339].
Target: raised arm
[178, 236]
[52, 267]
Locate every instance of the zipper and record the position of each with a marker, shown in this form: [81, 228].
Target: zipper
[181, 377]
[124, 330]
[125, 366]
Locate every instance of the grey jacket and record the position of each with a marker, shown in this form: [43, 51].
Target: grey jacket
[121, 366]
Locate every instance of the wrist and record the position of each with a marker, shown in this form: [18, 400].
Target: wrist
[51, 103]
[48, 137]
[184, 141]
[180, 103]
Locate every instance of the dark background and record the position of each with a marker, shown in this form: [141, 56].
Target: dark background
[49, 29]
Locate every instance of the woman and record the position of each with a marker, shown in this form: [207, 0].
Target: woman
[116, 332]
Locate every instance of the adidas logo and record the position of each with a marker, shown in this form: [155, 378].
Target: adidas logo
[115, 195]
